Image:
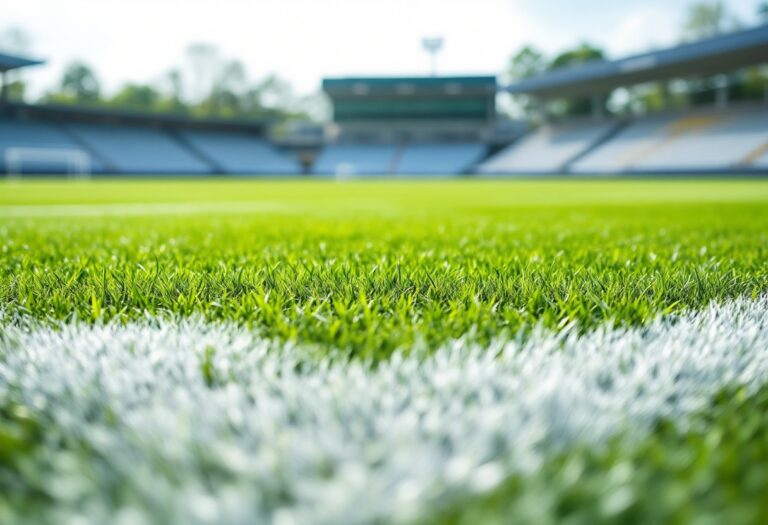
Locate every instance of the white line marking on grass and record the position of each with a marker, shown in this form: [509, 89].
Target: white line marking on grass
[206, 423]
[139, 209]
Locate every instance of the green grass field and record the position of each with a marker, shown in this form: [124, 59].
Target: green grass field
[362, 271]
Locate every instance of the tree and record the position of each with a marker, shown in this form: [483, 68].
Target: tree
[275, 93]
[228, 86]
[175, 98]
[762, 12]
[203, 60]
[526, 63]
[15, 41]
[582, 54]
[579, 55]
[136, 96]
[708, 18]
[79, 82]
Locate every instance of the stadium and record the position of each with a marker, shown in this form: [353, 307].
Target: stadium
[530, 295]
[423, 126]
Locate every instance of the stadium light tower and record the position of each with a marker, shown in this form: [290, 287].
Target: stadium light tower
[432, 45]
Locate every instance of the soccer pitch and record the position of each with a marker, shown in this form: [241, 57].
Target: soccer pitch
[461, 351]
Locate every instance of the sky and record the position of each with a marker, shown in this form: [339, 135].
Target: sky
[304, 40]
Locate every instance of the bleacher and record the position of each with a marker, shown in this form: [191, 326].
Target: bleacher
[239, 153]
[38, 136]
[51, 139]
[761, 158]
[622, 151]
[439, 159]
[356, 159]
[138, 149]
[550, 148]
[710, 140]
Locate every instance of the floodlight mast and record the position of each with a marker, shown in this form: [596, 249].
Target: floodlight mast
[432, 45]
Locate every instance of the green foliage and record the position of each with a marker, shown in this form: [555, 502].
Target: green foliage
[528, 62]
[210, 86]
[582, 54]
[579, 55]
[708, 18]
[370, 267]
[80, 83]
[136, 96]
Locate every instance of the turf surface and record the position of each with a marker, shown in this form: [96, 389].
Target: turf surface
[368, 268]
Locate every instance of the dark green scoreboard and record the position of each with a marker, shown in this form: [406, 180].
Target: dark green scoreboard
[412, 98]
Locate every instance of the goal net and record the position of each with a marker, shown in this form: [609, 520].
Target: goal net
[73, 162]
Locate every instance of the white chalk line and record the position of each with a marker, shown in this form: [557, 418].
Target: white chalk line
[140, 209]
[208, 423]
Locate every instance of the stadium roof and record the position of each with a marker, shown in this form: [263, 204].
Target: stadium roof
[711, 56]
[69, 113]
[8, 62]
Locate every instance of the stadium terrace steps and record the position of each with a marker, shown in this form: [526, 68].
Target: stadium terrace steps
[713, 140]
[356, 159]
[102, 164]
[402, 159]
[718, 141]
[758, 156]
[550, 149]
[41, 136]
[139, 149]
[239, 153]
[762, 162]
[633, 142]
[187, 145]
[436, 159]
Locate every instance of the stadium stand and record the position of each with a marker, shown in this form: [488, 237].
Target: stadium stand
[439, 159]
[723, 53]
[550, 148]
[710, 140]
[239, 153]
[723, 138]
[425, 126]
[138, 149]
[39, 136]
[408, 125]
[759, 159]
[627, 145]
[713, 141]
[356, 159]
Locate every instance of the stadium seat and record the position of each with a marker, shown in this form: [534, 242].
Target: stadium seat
[42, 136]
[357, 159]
[240, 153]
[439, 159]
[703, 141]
[139, 149]
[708, 142]
[760, 159]
[549, 149]
[624, 149]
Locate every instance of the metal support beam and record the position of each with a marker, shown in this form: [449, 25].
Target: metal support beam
[3, 87]
[598, 107]
[721, 96]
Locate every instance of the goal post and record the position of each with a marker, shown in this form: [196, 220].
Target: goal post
[74, 162]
